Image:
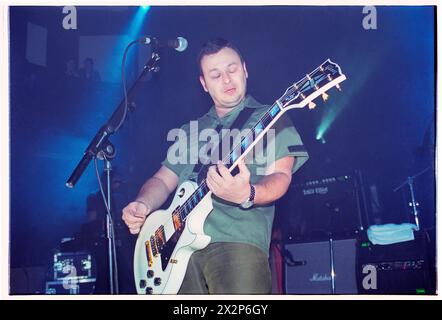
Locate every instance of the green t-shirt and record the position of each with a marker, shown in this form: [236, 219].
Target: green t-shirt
[228, 222]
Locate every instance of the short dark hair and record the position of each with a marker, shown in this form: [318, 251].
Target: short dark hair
[214, 46]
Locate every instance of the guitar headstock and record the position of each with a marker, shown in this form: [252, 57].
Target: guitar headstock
[316, 83]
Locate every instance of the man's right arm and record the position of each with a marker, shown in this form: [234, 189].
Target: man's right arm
[152, 195]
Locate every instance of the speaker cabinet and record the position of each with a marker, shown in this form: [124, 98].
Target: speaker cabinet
[308, 267]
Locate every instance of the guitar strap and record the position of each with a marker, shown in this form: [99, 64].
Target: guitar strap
[241, 119]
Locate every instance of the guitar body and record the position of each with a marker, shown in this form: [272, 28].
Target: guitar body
[160, 265]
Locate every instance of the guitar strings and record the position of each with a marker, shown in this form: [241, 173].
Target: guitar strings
[203, 183]
[261, 120]
[265, 117]
[238, 145]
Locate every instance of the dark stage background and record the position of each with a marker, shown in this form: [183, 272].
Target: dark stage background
[382, 124]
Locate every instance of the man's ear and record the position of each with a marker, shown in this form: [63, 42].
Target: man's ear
[245, 69]
[203, 83]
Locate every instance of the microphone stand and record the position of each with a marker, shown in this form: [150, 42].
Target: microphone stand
[414, 204]
[101, 148]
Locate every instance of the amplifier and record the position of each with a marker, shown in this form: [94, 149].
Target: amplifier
[73, 265]
[400, 268]
[308, 268]
[322, 208]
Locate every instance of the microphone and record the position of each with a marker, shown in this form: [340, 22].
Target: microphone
[179, 44]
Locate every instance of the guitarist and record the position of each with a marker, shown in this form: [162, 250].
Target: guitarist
[236, 260]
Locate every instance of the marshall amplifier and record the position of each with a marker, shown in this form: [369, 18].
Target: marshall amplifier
[318, 209]
[308, 267]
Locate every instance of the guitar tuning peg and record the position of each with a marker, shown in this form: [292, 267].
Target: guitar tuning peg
[338, 87]
[325, 96]
[311, 105]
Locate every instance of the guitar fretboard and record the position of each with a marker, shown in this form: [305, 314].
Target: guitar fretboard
[318, 81]
[184, 210]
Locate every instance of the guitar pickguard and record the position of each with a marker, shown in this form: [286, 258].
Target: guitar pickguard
[169, 246]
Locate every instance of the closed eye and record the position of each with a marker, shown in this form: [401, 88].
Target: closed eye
[233, 68]
[215, 75]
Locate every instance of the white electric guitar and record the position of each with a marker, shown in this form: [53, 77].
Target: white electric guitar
[169, 237]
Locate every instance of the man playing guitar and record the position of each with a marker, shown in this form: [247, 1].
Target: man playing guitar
[240, 224]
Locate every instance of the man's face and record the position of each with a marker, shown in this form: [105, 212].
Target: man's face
[224, 78]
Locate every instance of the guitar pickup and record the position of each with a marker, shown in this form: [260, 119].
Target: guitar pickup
[177, 221]
[149, 253]
[153, 246]
[160, 238]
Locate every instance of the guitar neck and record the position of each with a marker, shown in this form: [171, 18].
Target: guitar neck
[256, 133]
[238, 152]
[298, 95]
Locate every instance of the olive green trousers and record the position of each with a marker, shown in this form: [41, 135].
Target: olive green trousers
[227, 268]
